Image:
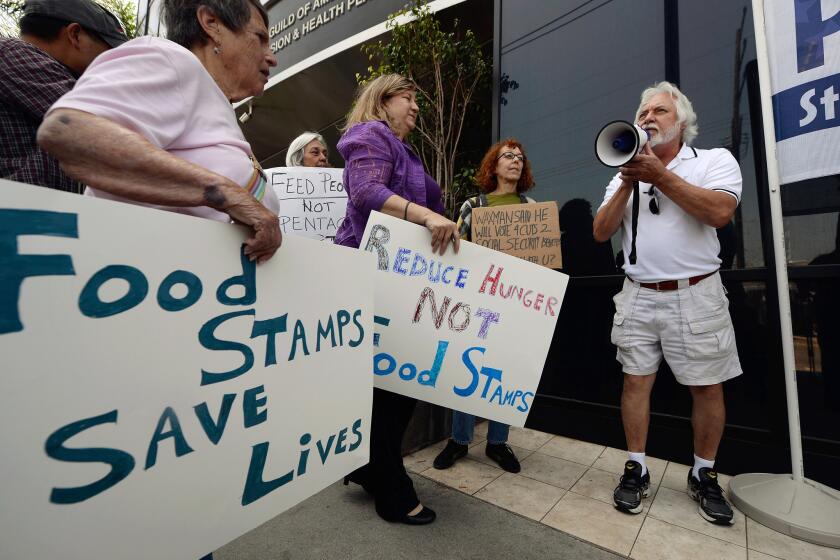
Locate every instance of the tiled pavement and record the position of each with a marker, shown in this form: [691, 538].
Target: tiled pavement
[568, 484]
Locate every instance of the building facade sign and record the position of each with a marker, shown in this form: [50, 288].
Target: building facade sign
[299, 29]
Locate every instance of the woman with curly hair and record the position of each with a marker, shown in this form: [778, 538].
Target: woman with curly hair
[502, 178]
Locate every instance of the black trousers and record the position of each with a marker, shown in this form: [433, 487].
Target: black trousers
[384, 476]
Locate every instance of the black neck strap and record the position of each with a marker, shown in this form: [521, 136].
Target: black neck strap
[634, 223]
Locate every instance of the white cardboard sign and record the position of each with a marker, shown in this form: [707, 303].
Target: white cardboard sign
[313, 201]
[469, 331]
[160, 395]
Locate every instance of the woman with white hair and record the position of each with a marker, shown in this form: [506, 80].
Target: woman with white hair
[150, 122]
[308, 150]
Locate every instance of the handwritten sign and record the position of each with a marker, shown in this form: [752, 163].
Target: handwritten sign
[161, 394]
[313, 201]
[469, 331]
[527, 231]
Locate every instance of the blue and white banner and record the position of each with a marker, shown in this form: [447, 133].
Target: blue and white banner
[803, 44]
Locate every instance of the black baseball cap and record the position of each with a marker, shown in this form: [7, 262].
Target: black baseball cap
[90, 15]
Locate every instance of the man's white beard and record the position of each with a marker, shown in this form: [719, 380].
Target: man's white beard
[665, 137]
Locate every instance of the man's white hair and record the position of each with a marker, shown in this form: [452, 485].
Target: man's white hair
[294, 155]
[685, 112]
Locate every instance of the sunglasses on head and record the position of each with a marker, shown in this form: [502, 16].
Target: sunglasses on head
[511, 156]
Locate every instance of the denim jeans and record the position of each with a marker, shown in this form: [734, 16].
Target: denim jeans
[463, 425]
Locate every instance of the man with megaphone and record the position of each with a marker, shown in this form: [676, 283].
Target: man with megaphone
[672, 305]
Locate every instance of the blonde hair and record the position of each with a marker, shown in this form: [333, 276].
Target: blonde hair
[370, 100]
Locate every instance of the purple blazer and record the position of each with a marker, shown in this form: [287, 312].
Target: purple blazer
[378, 165]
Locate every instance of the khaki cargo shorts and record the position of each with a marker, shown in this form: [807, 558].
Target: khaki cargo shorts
[690, 327]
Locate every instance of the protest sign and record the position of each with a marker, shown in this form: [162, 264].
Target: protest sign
[313, 201]
[527, 231]
[161, 394]
[469, 331]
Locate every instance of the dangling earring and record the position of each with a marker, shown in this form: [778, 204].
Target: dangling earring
[217, 49]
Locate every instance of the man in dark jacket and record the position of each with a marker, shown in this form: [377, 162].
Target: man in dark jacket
[58, 40]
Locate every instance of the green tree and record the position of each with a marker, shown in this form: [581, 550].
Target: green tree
[12, 10]
[126, 11]
[451, 70]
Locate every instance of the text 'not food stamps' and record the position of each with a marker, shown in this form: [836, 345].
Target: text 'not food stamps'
[469, 331]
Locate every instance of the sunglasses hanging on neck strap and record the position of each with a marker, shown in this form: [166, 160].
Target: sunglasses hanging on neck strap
[653, 205]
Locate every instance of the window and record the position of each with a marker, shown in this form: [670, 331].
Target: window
[712, 36]
[570, 70]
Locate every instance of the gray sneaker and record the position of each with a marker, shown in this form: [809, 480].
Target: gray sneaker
[632, 487]
[713, 505]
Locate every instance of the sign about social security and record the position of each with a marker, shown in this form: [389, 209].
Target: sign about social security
[313, 201]
[803, 43]
[161, 395]
[527, 231]
[469, 331]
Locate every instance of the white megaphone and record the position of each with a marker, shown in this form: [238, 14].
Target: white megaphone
[619, 142]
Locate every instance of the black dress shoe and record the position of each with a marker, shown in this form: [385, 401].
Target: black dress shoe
[423, 517]
[451, 453]
[503, 455]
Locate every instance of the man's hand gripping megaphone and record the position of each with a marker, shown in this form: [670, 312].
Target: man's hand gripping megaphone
[645, 167]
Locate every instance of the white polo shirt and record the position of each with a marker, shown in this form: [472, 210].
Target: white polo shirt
[673, 244]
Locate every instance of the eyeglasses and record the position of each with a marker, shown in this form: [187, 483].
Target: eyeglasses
[654, 201]
[511, 156]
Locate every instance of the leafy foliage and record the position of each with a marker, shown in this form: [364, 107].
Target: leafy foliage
[12, 10]
[450, 68]
[126, 11]
[10, 13]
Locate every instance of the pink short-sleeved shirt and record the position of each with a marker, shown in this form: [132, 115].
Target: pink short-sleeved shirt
[160, 90]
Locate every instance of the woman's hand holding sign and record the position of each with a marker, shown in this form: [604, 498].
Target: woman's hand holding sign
[443, 231]
[265, 238]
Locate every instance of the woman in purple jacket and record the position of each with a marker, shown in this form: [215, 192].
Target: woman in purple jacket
[382, 172]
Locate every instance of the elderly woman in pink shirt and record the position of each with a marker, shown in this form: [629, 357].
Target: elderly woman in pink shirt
[151, 122]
